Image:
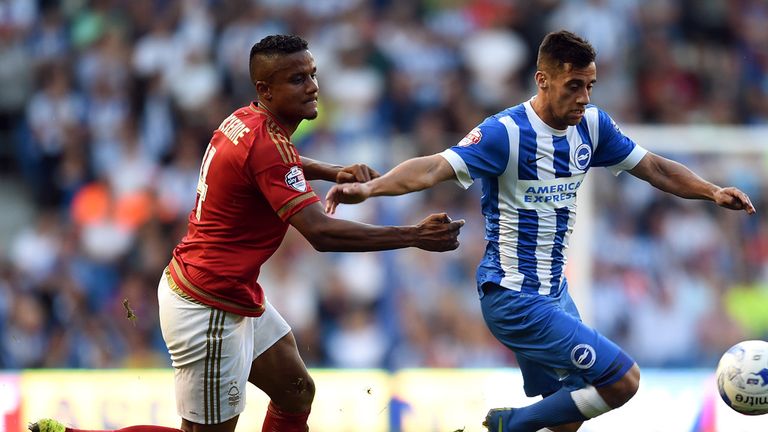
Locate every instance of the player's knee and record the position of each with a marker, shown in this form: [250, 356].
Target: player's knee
[633, 380]
[621, 391]
[308, 392]
[299, 396]
[628, 385]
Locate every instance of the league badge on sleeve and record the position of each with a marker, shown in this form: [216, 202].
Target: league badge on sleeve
[473, 137]
[295, 179]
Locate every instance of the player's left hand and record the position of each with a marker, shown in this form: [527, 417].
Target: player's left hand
[734, 199]
[359, 173]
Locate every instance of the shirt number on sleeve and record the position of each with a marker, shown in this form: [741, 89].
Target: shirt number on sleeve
[202, 186]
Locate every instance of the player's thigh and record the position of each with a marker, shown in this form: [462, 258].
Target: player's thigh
[211, 351]
[538, 379]
[583, 353]
[277, 368]
[548, 336]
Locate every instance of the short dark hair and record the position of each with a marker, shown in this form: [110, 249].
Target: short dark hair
[275, 45]
[562, 47]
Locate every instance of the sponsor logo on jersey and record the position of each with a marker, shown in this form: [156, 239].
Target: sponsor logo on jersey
[551, 193]
[295, 179]
[583, 356]
[473, 137]
[582, 155]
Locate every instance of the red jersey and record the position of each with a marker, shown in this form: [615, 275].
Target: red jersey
[251, 182]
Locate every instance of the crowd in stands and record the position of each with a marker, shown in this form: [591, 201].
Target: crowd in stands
[107, 105]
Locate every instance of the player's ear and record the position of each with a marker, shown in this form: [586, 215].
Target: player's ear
[541, 79]
[263, 90]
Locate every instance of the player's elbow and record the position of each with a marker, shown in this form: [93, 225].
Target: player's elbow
[320, 239]
[321, 244]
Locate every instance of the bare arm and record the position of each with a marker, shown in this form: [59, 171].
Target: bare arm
[676, 178]
[326, 234]
[316, 170]
[412, 175]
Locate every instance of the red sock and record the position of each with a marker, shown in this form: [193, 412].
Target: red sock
[141, 428]
[281, 421]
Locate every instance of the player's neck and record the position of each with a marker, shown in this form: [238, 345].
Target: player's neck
[289, 127]
[542, 109]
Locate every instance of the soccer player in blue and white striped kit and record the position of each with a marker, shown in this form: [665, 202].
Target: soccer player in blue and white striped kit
[532, 158]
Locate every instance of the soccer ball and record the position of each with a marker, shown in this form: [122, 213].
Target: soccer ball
[742, 377]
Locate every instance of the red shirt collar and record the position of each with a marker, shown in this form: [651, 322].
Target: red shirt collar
[258, 108]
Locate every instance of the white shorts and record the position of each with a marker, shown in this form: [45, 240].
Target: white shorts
[211, 352]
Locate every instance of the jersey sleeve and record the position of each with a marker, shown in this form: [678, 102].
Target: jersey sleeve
[276, 170]
[615, 150]
[483, 153]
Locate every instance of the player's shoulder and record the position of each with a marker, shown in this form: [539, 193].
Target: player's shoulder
[514, 114]
[511, 112]
[597, 112]
[496, 121]
[593, 116]
[251, 115]
[596, 117]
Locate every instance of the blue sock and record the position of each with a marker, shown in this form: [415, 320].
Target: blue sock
[556, 409]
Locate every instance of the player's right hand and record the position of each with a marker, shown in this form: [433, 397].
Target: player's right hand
[347, 193]
[438, 233]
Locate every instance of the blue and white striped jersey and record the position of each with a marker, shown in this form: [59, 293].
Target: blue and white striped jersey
[530, 175]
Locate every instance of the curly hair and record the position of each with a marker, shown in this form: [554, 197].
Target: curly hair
[562, 47]
[273, 46]
[278, 44]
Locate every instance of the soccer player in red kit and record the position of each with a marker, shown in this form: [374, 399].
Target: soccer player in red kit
[220, 329]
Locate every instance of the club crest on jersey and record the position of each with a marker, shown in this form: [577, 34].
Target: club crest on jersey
[582, 155]
[583, 356]
[473, 137]
[295, 179]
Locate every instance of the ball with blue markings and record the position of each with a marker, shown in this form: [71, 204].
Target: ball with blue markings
[742, 377]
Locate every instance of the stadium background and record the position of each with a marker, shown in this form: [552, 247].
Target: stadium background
[107, 105]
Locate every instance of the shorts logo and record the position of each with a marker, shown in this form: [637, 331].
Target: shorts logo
[295, 179]
[473, 137]
[582, 156]
[583, 356]
[233, 395]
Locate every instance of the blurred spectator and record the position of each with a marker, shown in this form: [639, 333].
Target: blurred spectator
[55, 116]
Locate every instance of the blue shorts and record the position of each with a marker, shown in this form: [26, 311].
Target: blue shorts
[553, 347]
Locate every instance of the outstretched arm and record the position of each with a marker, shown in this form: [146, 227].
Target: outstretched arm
[326, 234]
[677, 179]
[409, 176]
[316, 170]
